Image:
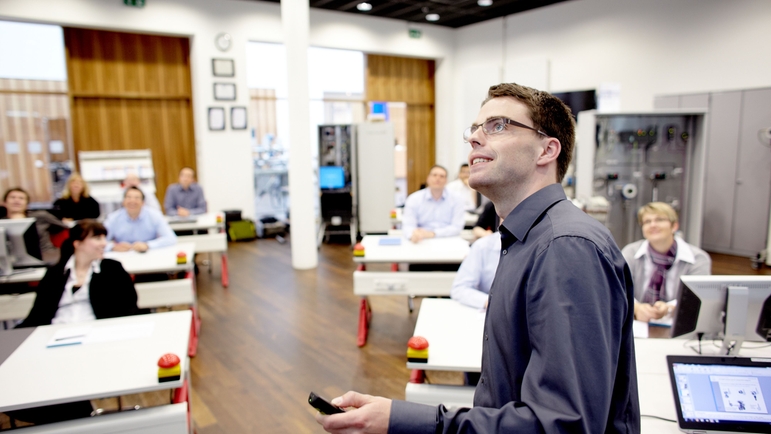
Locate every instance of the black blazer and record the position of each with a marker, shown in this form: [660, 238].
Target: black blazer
[111, 290]
[85, 208]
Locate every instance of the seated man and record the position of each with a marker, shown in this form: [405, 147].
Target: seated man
[476, 273]
[132, 180]
[432, 211]
[466, 194]
[137, 227]
[658, 261]
[186, 197]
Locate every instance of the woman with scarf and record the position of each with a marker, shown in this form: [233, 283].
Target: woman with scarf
[658, 261]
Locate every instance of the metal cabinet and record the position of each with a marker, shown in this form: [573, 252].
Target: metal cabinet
[738, 168]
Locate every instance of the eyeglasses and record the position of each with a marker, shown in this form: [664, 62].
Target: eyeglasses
[496, 126]
[657, 220]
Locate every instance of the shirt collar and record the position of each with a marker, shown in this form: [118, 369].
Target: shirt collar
[519, 222]
[96, 266]
[684, 252]
[430, 196]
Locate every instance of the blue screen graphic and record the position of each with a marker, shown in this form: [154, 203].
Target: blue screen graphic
[331, 177]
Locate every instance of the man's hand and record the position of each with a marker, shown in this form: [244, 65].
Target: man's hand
[646, 312]
[183, 212]
[140, 246]
[420, 234]
[122, 247]
[369, 415]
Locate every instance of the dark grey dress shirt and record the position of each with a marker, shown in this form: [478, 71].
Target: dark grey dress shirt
[558, 351]
[192, 199]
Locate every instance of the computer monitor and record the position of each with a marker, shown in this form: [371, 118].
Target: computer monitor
[331, 177]
[20, 245]
[731, 308]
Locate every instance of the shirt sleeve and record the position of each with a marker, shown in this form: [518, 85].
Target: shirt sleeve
[457, 222]
[409, 216]
[108, 224]
[702, 264]
[200, 202]
[165, 235]
[168, 201]
[465, 287]
[575, 318]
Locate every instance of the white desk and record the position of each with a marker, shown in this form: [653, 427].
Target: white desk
[24, 275]
[161, 260]
[454, 333]
[450, 250]
[164, 260]
[469, 218]
[213, 241]
[34, 376]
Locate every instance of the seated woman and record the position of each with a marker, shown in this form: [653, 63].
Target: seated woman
[76, 203]
[16, 201]
[81, 287]
[658, 261]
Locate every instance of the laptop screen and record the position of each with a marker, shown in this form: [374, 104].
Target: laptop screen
[722, 393]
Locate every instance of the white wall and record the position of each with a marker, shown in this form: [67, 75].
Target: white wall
[224, 157]
[650, 47]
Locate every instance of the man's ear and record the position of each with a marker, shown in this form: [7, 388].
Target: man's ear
[550, 150]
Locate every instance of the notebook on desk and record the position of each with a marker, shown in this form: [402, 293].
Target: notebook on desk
[721, 394]
[391, 241]
[181, 219]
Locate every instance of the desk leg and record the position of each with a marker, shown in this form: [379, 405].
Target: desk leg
[225, 276]
[365, 316]
[418, 376]
[195, 325]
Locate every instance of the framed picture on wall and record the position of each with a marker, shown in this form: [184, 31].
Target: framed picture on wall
[216, 118]
[238, 118]
[224, 91]
[223, 68]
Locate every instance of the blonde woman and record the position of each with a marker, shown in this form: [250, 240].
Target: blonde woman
[658, 261]
[76, 203]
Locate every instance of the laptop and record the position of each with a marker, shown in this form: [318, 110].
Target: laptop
[721, 394]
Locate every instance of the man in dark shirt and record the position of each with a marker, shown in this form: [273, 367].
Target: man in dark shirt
[558, 350]
[185, 198]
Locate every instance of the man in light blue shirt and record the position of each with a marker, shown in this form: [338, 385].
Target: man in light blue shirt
[186, 197]
[475, 275]
[433, 211]
[136, 227]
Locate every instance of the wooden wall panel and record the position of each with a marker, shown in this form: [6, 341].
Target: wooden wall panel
[131, 91]
[420, 133]
[399, 79]
[28, 110]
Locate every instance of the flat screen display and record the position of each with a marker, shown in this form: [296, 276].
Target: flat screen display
[331, 177]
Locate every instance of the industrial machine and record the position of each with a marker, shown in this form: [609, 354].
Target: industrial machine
[632, 159]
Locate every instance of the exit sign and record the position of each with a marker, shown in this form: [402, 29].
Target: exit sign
[135, 3]
[415, 33]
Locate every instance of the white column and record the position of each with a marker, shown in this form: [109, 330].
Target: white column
[294, 17]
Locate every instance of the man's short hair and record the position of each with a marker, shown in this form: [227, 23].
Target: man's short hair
[463, 165]
[438, 166]
[141, 193]
[549, 114]
[657, 208]
[11, 190]
[187, 167]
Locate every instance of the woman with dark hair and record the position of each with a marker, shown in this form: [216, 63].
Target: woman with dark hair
[83, 286]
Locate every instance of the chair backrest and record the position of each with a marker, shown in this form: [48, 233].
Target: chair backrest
[59, 238]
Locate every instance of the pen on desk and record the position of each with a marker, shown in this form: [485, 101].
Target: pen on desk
[69, 337]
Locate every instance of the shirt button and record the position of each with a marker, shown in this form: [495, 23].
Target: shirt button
[504, 252]
[485, 336]
[482, 381]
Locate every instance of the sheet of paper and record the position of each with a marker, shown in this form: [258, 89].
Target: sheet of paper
[121, 332]
[640, 329]
[69, 336]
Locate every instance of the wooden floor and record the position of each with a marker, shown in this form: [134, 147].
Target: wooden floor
[277, 333]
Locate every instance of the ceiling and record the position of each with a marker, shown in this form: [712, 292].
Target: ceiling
[452, 13]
